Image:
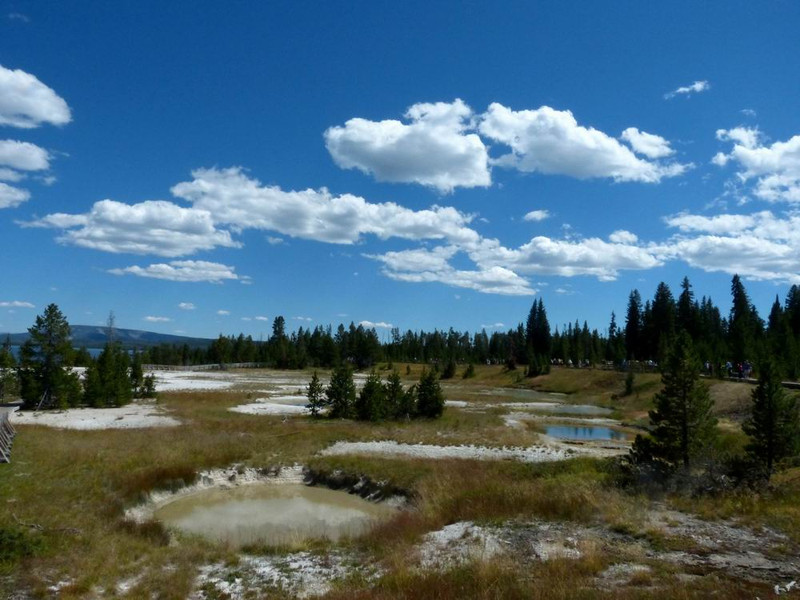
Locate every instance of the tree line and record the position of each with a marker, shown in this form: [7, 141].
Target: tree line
[646, 333]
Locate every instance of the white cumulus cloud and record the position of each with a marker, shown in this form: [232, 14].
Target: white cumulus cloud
[651, 145]
[688, 90]
[761, 245]
[186, 306]
[552, 142]
[152, 227]
[26, 102]
[11, 196]
[223, 312]
[23, 156]
[16, 304]
[183, 270]
[775, 168]
[152, 319]
[622, 236]
[241, 202]
[434, 149]
[377, 325]
[536, 215]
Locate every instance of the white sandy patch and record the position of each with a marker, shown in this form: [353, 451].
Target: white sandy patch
[532, 405]
[511, 421]
[299, 574]
[216, 478]
[295, 399]
[456, 544]
[531, 454]
[132, 416]
[269, 408]
[456, 403]
[180, 381]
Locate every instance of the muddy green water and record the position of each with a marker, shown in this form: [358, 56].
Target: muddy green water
[272, 514]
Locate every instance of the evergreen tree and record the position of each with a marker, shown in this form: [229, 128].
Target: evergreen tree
[430, 398]
[316, 396]
[393, 395]
[107, 379]
[137, 374]
[744, 326]
[341, 392]
[46, 377]
[370, 405]
[662, 327]
[688, 311]
[633, 327]
[682, 422]
[773, 427]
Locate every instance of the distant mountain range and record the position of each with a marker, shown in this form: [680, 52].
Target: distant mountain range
[95, 336]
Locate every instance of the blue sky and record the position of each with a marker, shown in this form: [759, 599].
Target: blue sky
[202, 168]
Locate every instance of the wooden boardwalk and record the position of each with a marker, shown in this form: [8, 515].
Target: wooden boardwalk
[7, 434]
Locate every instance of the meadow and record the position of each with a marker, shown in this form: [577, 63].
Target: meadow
[561, 529]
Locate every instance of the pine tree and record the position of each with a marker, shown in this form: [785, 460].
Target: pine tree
[341, 392]
[430, 398]
[107, 381]
[744, 325]
[316, 396]
[682, 422]
[137, 374]
[46, 377]
[633, 327]
[370, 405]
[773, 427]
[393, 394]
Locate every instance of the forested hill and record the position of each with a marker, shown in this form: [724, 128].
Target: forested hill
[95, 336]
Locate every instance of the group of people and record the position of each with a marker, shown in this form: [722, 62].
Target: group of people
[742, 370]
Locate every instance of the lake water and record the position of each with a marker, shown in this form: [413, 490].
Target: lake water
[272, 514]
[570, 432]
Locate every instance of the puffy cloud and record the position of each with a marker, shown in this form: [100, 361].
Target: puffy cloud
[10, 175]
[497, 325]
[423, 265]
[550, 141]
[378, 325]
[434, 149]
[186, 306]
[306, 319]
[26, 102]
[23, 156]
[652, 146]
[183, 270]
[623, 237]
[241, 202]
[223, 313]
[567, 258]
[775, 167]
[151, 227]
[16, 304]
[262, 318]
[536, 215]
[11, 196]
[760, 246]
[688, 90]
[151, 319]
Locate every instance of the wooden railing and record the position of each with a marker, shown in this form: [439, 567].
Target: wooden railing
[7, 433]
